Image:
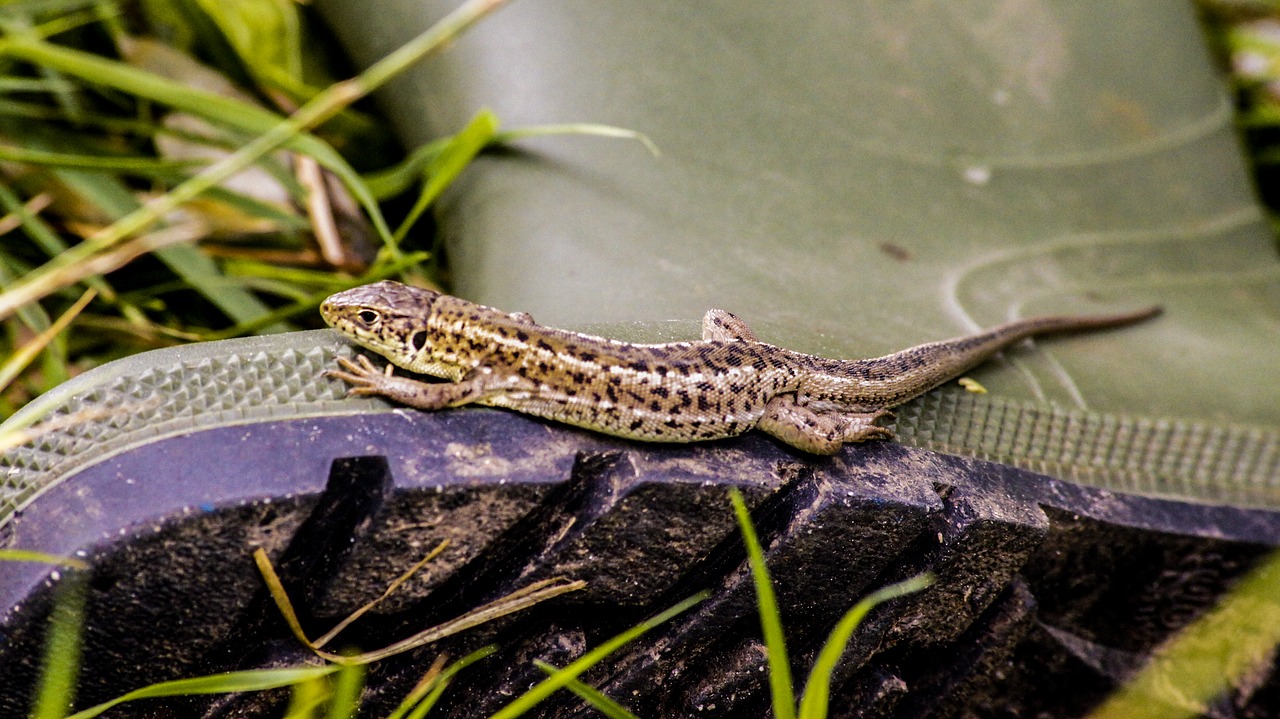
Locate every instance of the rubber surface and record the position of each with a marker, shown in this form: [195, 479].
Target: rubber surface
[149, 397]
[1036, 576]
[855, 178]
[852, 180]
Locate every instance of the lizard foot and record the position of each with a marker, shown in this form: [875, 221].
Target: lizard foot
[820, 432]
[363, 376]
[367, 380]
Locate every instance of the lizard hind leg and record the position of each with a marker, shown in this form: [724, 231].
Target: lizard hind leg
[721, 325]
[819, 432]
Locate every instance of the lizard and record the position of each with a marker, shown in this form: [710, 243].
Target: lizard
[726, 384]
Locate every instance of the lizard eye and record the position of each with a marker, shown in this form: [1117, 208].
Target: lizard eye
[368, 316]
[418, 340]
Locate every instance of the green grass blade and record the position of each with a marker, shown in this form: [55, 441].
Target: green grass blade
[399, 177]
[34, 84]
[114, 199]
[29, 555]
[146, 166]
[260, 209]
[311, 302]
[589, 694]
[195, 266]
[20, 359]
[32, 111]
[396, 179]
[48, 241]
[218, 109]
[817, 689]
[68, 15]
[1222, 649]
[429, 702]
[435, 689]
[560, 679]
[222, 110]
[417, 696]
[323, 106]
[54, 363]
[780, 683]
[348, 683]
[579, 128]
[451, 160]
[61, 667]
[201, 272]
[245, 681]
[267, 36]
[307, 698]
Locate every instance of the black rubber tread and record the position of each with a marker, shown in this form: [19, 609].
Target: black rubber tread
[163, 393]
[1036, 577]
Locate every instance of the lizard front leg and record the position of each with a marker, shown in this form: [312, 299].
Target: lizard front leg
[366, 380]
[819, 432]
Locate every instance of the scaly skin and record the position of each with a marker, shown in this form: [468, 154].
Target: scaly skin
[724, 385]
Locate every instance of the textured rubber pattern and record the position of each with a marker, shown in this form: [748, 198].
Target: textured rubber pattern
[157, 394]
[1035, 577]
[1187, 459]
[147, 397]
[187, 459]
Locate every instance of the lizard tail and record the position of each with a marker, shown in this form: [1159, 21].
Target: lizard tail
[1083, 323]
[1010, 332]
[882, 382]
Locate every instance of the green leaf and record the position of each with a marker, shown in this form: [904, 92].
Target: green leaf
[561, 678]
[147, 166]
[396, 179]
[1222, 649]
[453, 157]
[579, 128]
[589, 694]
[111, 197]
[266, 35]
[62, 649]
[347, 686]
[29, 555]
[309, 303]
[189, 263]
[245, 681]
[17, 362]
[211, 106]
[112, 244]
[427, 693]
[780, 685]
[817, 689]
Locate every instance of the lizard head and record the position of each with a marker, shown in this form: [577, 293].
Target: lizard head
[386, 317]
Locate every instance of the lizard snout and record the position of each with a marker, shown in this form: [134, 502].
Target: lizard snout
[327, 311]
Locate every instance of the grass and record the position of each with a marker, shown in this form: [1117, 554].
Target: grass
[119, 177]
[1223, 649]
[125, 229]
[155, 192]
[335, 687]
[813, 703]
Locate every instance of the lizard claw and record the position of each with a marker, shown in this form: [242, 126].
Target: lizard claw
[364, 377]
[877, 432]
